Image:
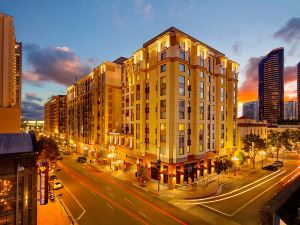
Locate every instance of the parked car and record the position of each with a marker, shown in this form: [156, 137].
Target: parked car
[59, 157]
[57, 185]
[53, 177]
[81, 159]
[270, 167]
[278, 163]
[67, 152]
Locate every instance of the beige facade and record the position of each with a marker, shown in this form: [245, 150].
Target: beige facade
[250, 126]
[10, 77]
[179, 105]
[94, 109]
[55, 116]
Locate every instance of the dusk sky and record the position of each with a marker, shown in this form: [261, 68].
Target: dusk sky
[65, 39]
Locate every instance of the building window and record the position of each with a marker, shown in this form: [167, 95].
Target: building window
[181, 109]
[147, 111]
[222, 80]
[181, 67]
[208, 93]
[201, 91]
[201, 111]
[137, 111]
[234, 134]
[208, 112]
[147, 90]
[182, 54]
[163, 128]
[222, 113]
[163, 109]
[163, 55]
[181, 85]
[181, 133]
[222, 135]
[137, 131]
[201, 74]
[163, 86]
[138, 96]
[222, 94]
[201, 137]
[208, 136]
[163, 68]
[201, 58]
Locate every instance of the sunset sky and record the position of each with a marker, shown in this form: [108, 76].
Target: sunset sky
[65, 39]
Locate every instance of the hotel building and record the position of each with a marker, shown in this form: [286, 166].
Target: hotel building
[271, 87]
[94, 109]
[250, 110]
[55, 116]
[10, 77]
[290, 110]
[179, 105]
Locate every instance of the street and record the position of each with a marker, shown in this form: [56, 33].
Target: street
[241, 199]
[94, 197]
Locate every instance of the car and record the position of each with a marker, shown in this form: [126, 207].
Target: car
[270, 167]
[278, 163]
[59, 157]
[81, 159]
[57, 185]
[66, 152]
[53, 177]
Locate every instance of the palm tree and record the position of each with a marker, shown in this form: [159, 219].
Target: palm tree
[253, 143]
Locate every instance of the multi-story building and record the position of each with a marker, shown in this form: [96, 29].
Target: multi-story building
[10, 77]
[271, 86]
[36, 126]
[94, 109]
[179, 105]
[298, 89]
[250, 126]
[18, 179]
[250, 110]
[290, 110]
[55, 116]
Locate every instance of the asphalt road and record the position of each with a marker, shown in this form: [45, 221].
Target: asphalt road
[241, 199]
[95, 197]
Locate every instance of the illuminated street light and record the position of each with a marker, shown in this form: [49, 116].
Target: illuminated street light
[262, 157]
[234, 159]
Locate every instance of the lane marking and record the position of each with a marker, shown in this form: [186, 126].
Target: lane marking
[216, 210]
[109, 206]
[108, 188]
[144, 215]
[126, 199]
[76, 201]
[95, 179]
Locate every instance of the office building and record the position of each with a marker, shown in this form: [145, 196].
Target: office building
[271, 86]
[179, 105]
[18, 179]
[250, 110]
[55, 116]
[298, 89]
[10, 77]
[290, 110]
[94, 109]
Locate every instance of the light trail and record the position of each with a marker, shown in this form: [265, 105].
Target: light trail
[195, 200]
[232, 196]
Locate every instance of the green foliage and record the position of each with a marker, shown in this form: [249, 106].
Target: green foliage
[281, 140]
[47, 149]
[223, 165]
[253, 143]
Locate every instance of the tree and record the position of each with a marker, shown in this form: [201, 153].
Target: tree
[280, 140]
[295, 138]
[47, 149]
[253, 143]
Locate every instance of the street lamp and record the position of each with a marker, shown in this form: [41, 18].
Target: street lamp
[110, 156]
[262, 157]
[234, 159]
[157, 162]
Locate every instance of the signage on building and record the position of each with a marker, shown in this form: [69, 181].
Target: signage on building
[44, 170]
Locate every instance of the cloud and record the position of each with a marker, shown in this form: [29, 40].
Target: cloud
[290, 31]
[144, 8]
[237, 48]
[248, 91]
[32, 110]
[32, 97]
[57, 64]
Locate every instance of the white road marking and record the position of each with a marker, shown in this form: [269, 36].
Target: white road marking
[76, 201]
[95, 179]
[126, 199]
[108, 188]
[109, 206]
[111, 194]
[144, 215]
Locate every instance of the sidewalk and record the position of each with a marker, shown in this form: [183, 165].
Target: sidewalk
[51, 214]
[209, 189]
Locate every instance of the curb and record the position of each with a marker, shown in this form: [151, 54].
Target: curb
[67, 211]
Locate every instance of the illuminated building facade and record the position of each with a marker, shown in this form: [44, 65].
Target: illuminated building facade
[298, 89]
[179, 105]
[271, 87]
[94, 109]
[10, 77]
[290, 110]
[55, 116]
[250, 110]
[18, 179]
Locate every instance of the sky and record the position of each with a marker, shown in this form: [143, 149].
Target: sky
[64, 40]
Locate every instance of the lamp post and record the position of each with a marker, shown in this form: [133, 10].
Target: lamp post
[262, 157]
[234, 159]
[109, 155]
[157, 162]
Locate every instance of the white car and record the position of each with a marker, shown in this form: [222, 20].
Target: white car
[57, 184]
